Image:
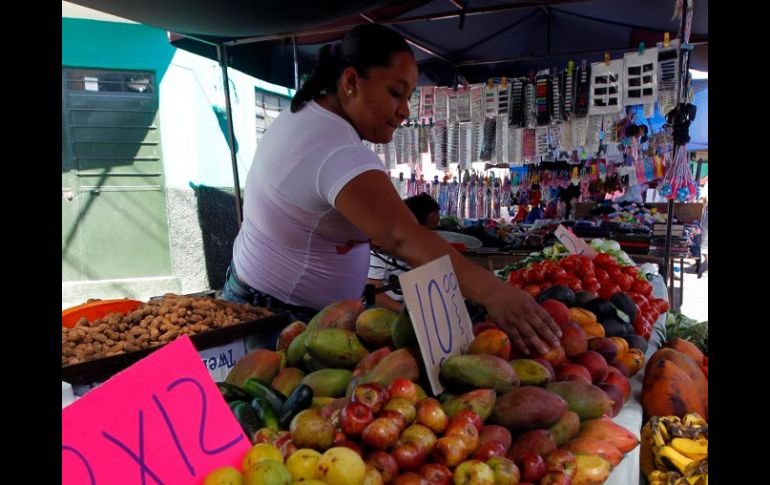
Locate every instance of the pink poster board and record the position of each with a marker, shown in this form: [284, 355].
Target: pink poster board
[161, 421]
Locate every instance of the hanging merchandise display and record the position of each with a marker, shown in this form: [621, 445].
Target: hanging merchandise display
[491, 100]
[579, 133]
[668, 75]
[488, 141]
[439, 146]
[427, 95]
[640, 83]
[441, 104]
[678, 183]
[541, 97]
[516, 146]
[530, 105]
[566, 85]
[452, 106]
[398, 142]
[414, 131]
[593, 133]
[463, 95]
[516, 114]
[453, 139]
[529, 147]
[566, 137]
[501, 139]
[414, 105]
[503, 98]
[556, 98]
[423, 134]
[466, 146]
[606, 87]
[582, 80]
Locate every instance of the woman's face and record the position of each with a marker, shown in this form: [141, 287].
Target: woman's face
[378, 104]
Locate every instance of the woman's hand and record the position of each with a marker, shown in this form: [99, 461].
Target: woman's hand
[519, 315]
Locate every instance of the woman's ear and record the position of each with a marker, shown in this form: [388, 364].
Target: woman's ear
[349, 82]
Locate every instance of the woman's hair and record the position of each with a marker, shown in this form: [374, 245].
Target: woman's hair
[364, 47]
[421, 206]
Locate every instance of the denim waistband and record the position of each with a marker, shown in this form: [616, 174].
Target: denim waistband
[240, 290]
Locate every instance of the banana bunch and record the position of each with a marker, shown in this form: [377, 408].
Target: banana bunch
[675, 450]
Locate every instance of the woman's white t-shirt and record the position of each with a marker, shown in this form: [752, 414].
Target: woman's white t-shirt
[293, 243]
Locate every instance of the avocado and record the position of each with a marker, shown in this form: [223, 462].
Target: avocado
[625, 304]
[583, 297]
[636, 342]
[601, 308]
[613, 327]
[558, 292]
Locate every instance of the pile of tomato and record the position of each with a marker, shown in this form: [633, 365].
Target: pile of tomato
[603, 276]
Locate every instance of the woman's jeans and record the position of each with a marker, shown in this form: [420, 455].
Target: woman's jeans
[237, 291]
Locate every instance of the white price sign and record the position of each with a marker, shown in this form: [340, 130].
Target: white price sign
[219, 360]
[574, 244]
[437, 310]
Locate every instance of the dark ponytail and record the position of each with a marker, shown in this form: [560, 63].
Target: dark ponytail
[365, 46]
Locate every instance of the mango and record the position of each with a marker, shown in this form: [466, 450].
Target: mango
[312, 364]
[287, 379]
[480, 401]
[591, 469]
[402, 331]
[335, 347]
[566, 428]
[373, 326]
[288, 334]
[465, 372]
[598, 447]
[587, 400]
[399, 363]
[262, 364]
[606, 429]
[528, 407]
[340, 314]
[539, 441]
[328, 382]
[368, 363]
[582, 316]
[296, 350]
[530, 373]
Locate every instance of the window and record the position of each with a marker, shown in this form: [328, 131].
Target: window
[96, 81]
[268, 107]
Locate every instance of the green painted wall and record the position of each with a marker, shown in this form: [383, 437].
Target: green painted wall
[115, 45]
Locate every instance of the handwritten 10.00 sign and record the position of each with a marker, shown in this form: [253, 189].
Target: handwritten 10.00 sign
[161, 421]
[437, 310]
[573, 243]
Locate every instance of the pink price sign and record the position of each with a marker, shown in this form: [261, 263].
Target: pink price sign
[161, 421]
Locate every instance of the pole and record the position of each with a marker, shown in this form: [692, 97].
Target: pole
[222, 54]
[296, 63]
[684, 65]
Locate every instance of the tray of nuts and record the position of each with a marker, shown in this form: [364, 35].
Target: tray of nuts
[98, 349]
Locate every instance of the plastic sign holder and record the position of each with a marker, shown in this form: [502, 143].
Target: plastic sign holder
[574, 244]
[437, 310]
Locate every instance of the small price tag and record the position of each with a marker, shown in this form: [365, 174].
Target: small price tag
[162, 420]
[219, 360]
[437, 310]
[574, 244]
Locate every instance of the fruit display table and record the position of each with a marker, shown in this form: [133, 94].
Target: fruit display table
[628, 471]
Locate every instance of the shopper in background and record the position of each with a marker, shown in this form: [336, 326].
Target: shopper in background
[315, 195]
[383, 266]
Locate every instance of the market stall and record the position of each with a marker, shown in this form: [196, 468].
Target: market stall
[362, 395]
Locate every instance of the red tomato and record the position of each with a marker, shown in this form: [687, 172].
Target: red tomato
[636, 297]
[644, 306]
[533, 290]
[555, 272]
[592, 285]
[568, 264]
[607, 290]
[630, 271]
[613, 271]
[642, 286]
[583, 260]
[571, 282]
[604, 260]
[661, 304]
[534, 275]
[602, 276]
[623, 281]
[545, 285]
[514, 277]
[639, 325]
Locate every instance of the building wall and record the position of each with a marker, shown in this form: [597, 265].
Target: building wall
[196, 157]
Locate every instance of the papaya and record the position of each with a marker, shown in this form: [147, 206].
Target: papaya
[373, 326]
[606, 429]
[466, 372]
[538, 441]
[288, 334]
[262, 364]
[335, 347]
[287, 379]
[667, 390]
[340, 314]
[587, 400]
[596, 446]
[688, 365]
[566, 428]
[633, 360]
[528, 407]
[581, 316]
[480, 401]
[688, 348]
[328, 382]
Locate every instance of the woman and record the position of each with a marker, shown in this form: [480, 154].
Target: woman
[382, 267]
[315, 196]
